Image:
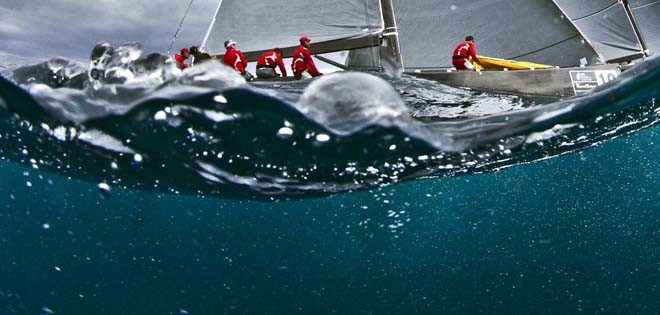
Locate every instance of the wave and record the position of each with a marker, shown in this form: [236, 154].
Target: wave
[135, 121]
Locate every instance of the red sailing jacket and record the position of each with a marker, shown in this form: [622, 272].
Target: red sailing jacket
[271, 59]
[302, 60]
[235, 59]
[180, 61]
[465, 50]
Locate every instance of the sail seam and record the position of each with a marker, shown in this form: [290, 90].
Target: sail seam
[595, 13]
[645, 5]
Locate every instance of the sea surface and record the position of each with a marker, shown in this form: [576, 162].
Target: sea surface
[130, 187]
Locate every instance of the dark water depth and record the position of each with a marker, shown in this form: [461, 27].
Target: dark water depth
[575, 234]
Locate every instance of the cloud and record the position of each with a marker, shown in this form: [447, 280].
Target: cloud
[70, 28]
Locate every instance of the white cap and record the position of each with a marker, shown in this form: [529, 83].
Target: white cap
[229, 43]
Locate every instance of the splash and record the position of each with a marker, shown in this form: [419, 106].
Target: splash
[139, 122]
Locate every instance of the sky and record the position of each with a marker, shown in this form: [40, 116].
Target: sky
[71, 28]
[46, 29]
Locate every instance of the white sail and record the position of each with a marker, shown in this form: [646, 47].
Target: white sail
[259, 25]
[532, 30]
[607, 27]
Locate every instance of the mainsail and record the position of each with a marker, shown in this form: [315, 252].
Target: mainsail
[607, 26]
[646, 14]
[259, 25]
[421, 34]
[532, 30]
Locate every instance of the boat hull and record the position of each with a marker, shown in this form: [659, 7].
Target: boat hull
[544, 82]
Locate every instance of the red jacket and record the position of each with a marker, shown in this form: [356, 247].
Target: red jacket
[180, 61]
[464, 50]
[271, 59]
[302, 60]
[235, 59]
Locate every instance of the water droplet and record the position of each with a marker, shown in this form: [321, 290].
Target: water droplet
[285, 131]
[160, 115]
[322, 138]
[220, 99]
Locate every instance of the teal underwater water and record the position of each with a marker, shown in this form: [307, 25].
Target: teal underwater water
[131, 189]
[579, 233]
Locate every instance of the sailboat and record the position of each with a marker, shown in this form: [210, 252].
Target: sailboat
[584, 41]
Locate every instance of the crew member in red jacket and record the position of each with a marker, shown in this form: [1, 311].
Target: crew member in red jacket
[462, 52]
[302, 65]
[181, 58]
[235, 59]
[267, 63]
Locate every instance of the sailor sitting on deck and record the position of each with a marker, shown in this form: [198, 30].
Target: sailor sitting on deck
[303, 66]
[235, 59]
[199, 56]
[267, 63]
[181, 58]
[462, 52]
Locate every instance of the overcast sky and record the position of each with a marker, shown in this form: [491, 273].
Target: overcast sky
[71, 28]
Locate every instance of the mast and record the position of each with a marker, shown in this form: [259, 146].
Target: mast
[208, 32]
[391, 34]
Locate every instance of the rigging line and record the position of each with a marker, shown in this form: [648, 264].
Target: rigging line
[169, 49]
[546, 47]
[597, 12]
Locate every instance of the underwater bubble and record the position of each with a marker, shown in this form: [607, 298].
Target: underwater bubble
[137, 157]
[45, 226]
[105, 190]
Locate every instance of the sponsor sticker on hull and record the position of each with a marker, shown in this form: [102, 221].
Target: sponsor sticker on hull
[585, 80]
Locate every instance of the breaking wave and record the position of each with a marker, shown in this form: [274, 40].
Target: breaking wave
[134, 121]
